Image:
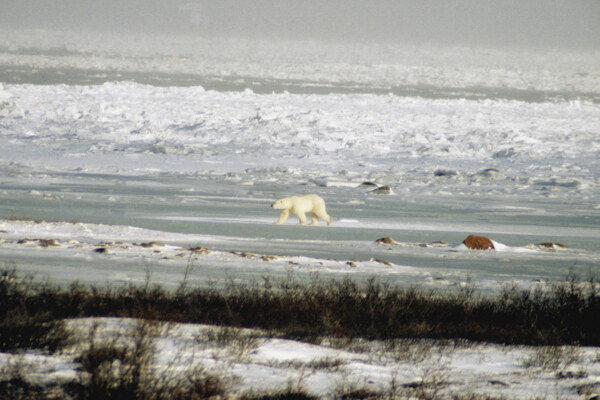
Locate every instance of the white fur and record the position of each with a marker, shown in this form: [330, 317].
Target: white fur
[300, 205]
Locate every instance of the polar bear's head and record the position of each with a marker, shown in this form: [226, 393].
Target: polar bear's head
[282, 204]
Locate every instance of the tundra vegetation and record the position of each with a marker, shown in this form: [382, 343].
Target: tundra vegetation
[343, 313]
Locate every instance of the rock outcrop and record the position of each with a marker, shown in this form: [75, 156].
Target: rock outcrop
[474, 242]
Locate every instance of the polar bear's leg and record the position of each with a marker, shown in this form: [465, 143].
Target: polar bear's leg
[283, 216]
[301, 218]
[324, 216]
[315, 219]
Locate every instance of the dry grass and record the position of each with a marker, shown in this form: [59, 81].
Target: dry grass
[345, 312]
[127, 370]
[563, 315]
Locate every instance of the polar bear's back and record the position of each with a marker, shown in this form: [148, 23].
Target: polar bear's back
[308, 202]
[313, 198]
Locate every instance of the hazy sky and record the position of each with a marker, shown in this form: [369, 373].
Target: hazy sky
[546, 22]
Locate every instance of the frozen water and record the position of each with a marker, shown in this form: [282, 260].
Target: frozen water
[50, 57]
[188, 141]
[134, 127]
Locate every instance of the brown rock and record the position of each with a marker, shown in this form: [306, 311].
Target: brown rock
[245, 254]
[478, 243]
[152, 244]
[385, 240]
[198, 250]
[48, 242]
[550, 245]
[382, 261]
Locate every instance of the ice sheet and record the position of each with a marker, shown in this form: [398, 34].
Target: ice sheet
[525, 73]
[188, 140]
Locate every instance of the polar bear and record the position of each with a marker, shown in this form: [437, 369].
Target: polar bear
[300, 205]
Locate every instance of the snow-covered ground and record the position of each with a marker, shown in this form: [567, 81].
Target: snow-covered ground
[119, 154]
[248, 361]
[117, 254]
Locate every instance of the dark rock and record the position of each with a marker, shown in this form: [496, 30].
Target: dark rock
[382, 261]
[152, 244]
[368, 184]
[445, 172]
[245, 254]
[550, 245]
[386, 240]
[198, 250]
[48, 242]
[492, 173]
[382, 190]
